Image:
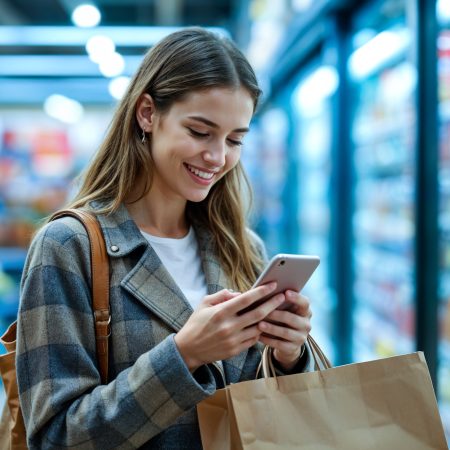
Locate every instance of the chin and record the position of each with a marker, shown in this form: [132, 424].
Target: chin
[197, 197]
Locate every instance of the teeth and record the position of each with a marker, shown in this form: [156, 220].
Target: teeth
[199, 173]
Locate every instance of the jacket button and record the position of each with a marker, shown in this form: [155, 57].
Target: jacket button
[114, 248]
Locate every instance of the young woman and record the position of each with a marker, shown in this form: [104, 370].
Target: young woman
[166, 187]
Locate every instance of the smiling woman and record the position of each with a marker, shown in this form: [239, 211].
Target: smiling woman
[165, 186]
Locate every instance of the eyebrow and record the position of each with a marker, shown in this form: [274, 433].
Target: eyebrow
[214, 125]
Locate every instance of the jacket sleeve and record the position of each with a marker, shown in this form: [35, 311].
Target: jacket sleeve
[62, 399]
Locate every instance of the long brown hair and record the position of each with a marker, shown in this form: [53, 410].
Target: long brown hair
[189, 60]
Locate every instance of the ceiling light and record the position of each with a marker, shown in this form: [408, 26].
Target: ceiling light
[69, 36]
[118, 86]
[112, 65]
[63, 108]
[379, 51]
[86, 16]
[99, 47]
[56, 66]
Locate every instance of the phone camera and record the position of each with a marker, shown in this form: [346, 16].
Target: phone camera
[282, 262]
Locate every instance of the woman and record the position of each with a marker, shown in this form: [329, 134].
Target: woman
[165, 186]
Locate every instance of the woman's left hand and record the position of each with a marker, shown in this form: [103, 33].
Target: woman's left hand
[290, 331]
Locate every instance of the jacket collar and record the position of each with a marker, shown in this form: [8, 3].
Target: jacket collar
[122, 236]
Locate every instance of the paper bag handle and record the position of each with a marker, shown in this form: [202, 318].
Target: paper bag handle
[320, 360]
[318, 354]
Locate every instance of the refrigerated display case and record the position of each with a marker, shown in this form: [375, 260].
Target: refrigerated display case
[312, 151]
[383, 82]
[443, 375]
[386, 121]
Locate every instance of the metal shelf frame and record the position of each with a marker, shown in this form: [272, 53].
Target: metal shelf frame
[427, 197]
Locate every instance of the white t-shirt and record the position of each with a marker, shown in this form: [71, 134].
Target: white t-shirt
[181, 258]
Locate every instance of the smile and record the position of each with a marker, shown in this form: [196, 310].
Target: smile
[200, 173]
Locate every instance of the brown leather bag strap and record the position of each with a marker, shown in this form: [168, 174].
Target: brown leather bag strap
[100, 283]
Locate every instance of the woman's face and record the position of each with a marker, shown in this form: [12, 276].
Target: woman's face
[198, 141]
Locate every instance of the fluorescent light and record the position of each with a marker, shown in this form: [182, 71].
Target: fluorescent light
[57, 66]
[99, 47]
[112, 65]
[63, 36]
[86, 16]
[63, 108]
[311, 93]
[118, 86]
[377, 52]
[34, 91]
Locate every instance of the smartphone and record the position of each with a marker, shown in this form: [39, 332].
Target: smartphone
[290, 272]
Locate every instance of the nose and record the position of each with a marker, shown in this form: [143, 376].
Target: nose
[216, 154]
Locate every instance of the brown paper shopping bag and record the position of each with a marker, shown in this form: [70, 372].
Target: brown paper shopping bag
[219, 429]
[387, 404]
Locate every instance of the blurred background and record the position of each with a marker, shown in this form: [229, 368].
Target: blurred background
[349, 153]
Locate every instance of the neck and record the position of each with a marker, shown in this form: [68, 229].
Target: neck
[158, 215]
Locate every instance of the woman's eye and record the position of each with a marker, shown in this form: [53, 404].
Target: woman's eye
[197, 133]
[235, 143]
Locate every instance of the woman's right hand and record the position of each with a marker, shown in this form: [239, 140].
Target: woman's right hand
[219, 330]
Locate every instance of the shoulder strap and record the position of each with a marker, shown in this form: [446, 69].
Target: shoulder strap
[100, 283]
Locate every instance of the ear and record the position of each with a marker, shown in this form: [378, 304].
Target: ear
[145, 112]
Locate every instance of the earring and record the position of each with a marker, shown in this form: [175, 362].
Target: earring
[143, 139]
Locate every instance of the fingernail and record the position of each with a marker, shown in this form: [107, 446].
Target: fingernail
[291, 294]
[272, 285]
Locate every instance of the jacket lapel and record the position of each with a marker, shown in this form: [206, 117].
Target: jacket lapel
[152, 284]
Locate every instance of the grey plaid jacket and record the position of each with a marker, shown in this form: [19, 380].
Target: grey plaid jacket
[150, 399]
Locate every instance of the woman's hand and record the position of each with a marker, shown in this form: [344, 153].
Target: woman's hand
[219, 329]
[286, 331]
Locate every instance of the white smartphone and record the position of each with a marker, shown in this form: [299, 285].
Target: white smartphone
[289, 271]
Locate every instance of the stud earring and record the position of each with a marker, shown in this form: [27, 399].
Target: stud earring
[143, 139]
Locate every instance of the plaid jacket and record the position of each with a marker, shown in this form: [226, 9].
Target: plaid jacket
[150, 399]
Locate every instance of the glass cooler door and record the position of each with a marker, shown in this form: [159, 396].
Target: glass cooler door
[443, 375]
[383, 84]
[313, 130]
